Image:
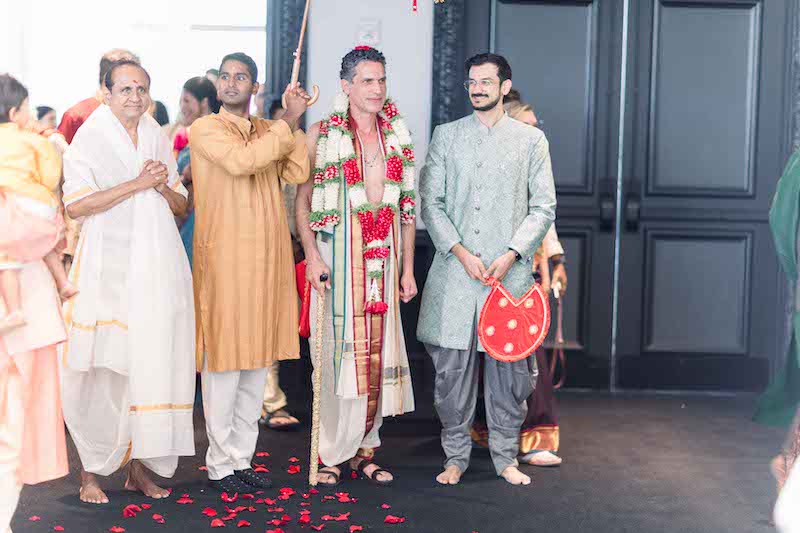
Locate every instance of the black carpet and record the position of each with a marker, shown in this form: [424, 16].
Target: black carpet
[631, 464]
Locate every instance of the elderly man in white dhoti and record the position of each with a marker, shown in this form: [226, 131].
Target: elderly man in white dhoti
[128, 369]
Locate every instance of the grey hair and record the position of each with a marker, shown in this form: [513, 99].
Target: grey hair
[359, 55]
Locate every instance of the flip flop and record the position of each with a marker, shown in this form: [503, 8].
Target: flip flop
[372, 478]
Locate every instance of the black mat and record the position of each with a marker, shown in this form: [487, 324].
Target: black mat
[631, 464]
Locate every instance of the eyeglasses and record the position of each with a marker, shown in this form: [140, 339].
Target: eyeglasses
[484, 84]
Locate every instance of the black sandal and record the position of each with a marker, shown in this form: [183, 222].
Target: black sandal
[269, 420]
[372, 478]
[337, 477]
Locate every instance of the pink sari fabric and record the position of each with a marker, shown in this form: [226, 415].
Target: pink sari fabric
[32, 439]
[26, 237]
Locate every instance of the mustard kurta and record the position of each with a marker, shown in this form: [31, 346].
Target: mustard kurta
[244, 286]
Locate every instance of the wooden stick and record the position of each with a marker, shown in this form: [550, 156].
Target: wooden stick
[296, 65]
[320, 330]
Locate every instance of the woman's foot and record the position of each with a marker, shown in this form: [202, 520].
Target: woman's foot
[139, 481]
[515, 477]
[90, 489]
[12, 321]
[541, 458]
[68, 291]
[450, 476]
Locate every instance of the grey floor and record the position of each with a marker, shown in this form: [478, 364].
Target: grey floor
[632, 463]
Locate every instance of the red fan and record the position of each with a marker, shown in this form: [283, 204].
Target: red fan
[511, 329]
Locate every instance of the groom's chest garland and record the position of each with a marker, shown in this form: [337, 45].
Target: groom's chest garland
[336, 159]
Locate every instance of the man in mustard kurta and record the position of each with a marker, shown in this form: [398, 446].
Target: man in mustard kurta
[244, 285]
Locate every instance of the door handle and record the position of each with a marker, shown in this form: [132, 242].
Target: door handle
[608, 208]
[633, 205]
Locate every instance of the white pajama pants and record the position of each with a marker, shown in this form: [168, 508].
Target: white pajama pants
[232, 406]
[787, 509]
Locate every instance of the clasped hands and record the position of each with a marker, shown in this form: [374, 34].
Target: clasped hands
[154, 175]
[476, 270]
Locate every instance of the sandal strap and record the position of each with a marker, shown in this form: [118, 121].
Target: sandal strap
[366, 463]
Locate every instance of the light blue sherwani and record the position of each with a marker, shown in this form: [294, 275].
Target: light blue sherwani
[490, 190]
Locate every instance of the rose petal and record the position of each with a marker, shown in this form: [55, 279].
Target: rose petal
[294, 469]
[294, 460]
[275, 509]
[342, 517]
[229, 499]
[262, 454]
[287, 490]
[34, 518]
[305, 519]
[243, 523]
[131, 510]
[326, 498]
[386, 506]
[158, 518]
[353, 529]
[146, 506]
[239, 509]
[269, 501]
[58, 528]
[217, 523]
[318, 528]
[252, 509]
[306, 496]
[391, 519]
[286, 519]
[279, 530]
[305, 504]
[275, 522]
[261, 470]
[304, 512]
[229, 517]
[116, 529]
[209, 512]
[203, 468]
[327, 517]
[313, 491]
[247, 497]
[353, 475]
[184, 501]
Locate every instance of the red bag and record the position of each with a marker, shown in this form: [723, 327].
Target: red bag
[304, 292]
[511, 329]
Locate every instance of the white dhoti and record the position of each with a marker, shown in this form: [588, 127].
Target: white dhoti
[128, 368]
[344, 428]
[232, 406]
[787, 508]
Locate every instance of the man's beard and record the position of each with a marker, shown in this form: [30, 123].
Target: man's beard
[486, 107]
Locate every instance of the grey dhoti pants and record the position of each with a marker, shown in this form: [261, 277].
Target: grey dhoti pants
[506, 388]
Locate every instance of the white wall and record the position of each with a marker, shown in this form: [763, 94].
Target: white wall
[54, 46]
[405, 38]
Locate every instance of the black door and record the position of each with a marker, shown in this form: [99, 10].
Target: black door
[694, 284]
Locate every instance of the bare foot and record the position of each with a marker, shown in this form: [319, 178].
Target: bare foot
[515, 477]
[90, 490]
[450, 476]
[68, 291]
[12, 321]
[139, 481]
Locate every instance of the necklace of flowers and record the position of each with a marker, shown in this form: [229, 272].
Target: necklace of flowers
[336, 158]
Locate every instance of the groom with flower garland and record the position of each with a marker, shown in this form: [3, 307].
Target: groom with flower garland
[356, 220]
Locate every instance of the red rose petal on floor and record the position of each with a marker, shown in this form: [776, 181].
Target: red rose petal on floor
[239, 509]
[131, 510]
[275, 522]
[259, 492]
[391, 519]
[209, 512]
[203, 468]
[158, 518]
[305, 519]
[304, 512]
[294, 469]
[58, 528]
[304, 504]
[275, 509]
[146, 506]
[283, 497]
[326, 498]
[294, 460]
[34, 518]
[306, 496]
[353, 500]
[327, 517]
[287, 490]
[262, 454]
[286, 519]
[386, 506]
[269, 501]
[243, 523]
[261, 470]
[318, 528]
[342, 517]
[217, 523]
[279, 530]
[184, 501]
[117, 529]
[252, 509]
[313, 491]
[353, 529]
[228, 498]
[247, 497]
[229, 517]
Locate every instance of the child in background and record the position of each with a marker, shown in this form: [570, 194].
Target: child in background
[30, 170]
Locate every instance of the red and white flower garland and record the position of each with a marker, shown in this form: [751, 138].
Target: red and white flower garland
[336, 158]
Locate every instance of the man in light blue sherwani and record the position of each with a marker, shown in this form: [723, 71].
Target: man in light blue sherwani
[487, 201]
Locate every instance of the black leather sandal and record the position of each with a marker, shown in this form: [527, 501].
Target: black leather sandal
[343, 470]
[372, 478]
